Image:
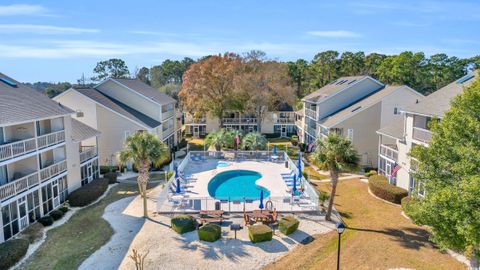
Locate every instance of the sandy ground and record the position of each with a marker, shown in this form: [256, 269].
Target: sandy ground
[169, 250]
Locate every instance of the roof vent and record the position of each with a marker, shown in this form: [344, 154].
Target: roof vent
[465, 78]
[357, 108]
[9, 82]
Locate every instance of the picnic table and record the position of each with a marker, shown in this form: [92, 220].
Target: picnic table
[261, 215]
[211, 216]
[212, 213]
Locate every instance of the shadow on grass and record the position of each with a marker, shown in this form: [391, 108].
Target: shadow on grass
[412, 238]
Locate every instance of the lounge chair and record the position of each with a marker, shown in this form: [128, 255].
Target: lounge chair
[291, 173]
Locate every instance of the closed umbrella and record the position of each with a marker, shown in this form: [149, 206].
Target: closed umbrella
[294, 189]
[274, 149]
[299, 165]
[176, 172]
[261, 200]
[178, 186]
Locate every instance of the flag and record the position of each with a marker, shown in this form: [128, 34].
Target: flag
[396, 168]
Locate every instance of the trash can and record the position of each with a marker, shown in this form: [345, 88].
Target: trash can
[286, 164]
[218, 206]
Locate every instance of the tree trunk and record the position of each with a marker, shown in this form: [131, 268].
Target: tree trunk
[334, 176]
[220, 119]
[145, 212]
[142, 180]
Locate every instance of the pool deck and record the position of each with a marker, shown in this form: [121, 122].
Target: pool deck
[204, 171]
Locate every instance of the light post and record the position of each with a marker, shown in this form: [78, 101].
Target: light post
[340, 229]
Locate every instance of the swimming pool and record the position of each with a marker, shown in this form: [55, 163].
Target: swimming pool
[236, 185]
[223, 164]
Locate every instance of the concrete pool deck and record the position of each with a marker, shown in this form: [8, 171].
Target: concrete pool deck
[203, 171]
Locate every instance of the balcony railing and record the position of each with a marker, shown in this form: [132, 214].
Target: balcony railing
[167, 114]
[311, 113]
[388, 152]
[167, 132]
[312, 131]
[285, 120]
[196, 121]
[88, 153]
[239, 120]
[18, 186]
[421, 134]
[51, 139]
[16, 149]
[53, 170]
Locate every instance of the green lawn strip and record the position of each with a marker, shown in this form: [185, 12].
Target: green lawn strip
[330, 247]
[67, 246]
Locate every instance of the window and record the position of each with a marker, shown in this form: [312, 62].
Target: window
[79, 113]
[396, 110]
[350, 134]
[127, 134]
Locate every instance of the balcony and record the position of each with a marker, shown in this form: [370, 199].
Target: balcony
[312, 131]
[389, 151]
[53, 170]
[422, 135]
[87, 153]
[19, 185]
[246, 121]
[15, 149]
[51, 139]
[285, 121]
[167, 132]
[167, 114]
[311, 113]
[196, 121]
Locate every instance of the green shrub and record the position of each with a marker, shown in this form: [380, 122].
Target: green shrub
[106, 169]
[370, 173]
[288, 225]
[111, 176]
[302, 147]
[260, 233]
[209, 232]
[88, 193]
[12, 251]
[64, 209]
[183, 223]
[56, 214]
[323, 197]
[46, 221]
[379, 186]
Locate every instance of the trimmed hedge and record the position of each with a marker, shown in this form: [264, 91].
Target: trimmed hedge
[260, 233]
[111, 176]
[405, 202]
[183, 223]
[64, 209]
[209, 232]
[370, 173]
[88, 193]
[12, 251]
[379, 186]
[288, 225]
[56, 214]
[46, 221]
[106, 169]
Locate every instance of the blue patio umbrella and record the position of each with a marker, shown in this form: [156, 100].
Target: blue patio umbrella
[178, 186]
[261, 200]
[274, 149]
[294, 189]
[299, 165]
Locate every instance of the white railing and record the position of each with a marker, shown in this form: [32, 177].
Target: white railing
[312, 131]
[239, 120]
[311, 113]
[167, 114]
[388, 152]
[51, 139]
[87, 154]
[285, 120]
[196, 121]
[53, 170]
[11, 189]
[16, 149]
[421, 134]
[167, 132]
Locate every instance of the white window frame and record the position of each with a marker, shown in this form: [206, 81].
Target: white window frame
[350, 134]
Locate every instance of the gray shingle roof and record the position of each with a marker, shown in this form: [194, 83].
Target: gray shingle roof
[146, 90]
[437, 103]
[81, 132]
[332, 88]
[119, 107]
[22, 104]
[394, 130]
[366, 102]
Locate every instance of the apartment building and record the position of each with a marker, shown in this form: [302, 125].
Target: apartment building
[44, 155]
[120, 107]
[277, 123]
[397, 139]
[354, 107]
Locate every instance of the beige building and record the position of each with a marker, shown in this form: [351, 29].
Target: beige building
[277, 123]
[354, 107]
[120, 107]
[398, 138]
[44, 155]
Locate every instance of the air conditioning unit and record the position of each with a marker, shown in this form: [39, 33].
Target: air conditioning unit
[79, 113]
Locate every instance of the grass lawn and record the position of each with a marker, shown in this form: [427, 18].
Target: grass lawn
[69, 245]
[196, 144]
[378, 237]
[313, 173]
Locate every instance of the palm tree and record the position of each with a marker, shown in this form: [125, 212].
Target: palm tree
[220, 138]
[254, 141]
[335, 154]
[144, 149]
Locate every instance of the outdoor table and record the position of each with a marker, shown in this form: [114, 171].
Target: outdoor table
[235, 228]
[211, 213]
[261, 215]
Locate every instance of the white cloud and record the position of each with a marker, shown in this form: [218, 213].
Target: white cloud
[334, 34]
[43, 29]
[23, 9]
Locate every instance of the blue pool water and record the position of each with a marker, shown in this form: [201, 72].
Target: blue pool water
[236, 185]
[223, 164]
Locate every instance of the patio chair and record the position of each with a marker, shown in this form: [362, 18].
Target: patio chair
[291, 173]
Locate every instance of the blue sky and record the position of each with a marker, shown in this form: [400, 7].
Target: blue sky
[59, 40]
